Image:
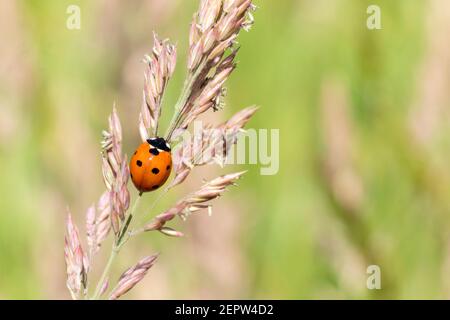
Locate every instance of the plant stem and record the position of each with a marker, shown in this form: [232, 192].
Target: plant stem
[183, 99]
[105, 273]
[117, 245]
[179, 107]
[160, 196]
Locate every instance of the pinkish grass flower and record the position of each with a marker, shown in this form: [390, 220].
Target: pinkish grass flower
[212, 52]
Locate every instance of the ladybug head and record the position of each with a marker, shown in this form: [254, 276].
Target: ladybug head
[159, 143]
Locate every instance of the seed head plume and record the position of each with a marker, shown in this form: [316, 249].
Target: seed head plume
[211, 60]
[115, 171]
[194, 202]
[214, 30]
[132, 276]
[77, 264]
[102, 219]
[211, 146]
[160, 66]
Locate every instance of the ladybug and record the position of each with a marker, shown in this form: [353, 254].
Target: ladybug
[151, 164]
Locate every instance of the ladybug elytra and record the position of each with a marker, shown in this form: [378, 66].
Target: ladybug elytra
[151, 164]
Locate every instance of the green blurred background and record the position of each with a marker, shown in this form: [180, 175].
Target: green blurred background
[364, 173]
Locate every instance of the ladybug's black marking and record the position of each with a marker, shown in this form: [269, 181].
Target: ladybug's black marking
[154, 151]
[159, 143]
[155, 170]
[168, 168]
[155, 187]
[131, 175]
[139, 163]
[135, 152]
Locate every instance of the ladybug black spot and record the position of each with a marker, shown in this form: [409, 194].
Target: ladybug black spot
[139, 163]
[168, 168]
[135, 152]
[154, 151]
[155, 187]
[131, 175]
[155, 170]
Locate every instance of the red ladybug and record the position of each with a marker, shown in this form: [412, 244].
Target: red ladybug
[151, 164]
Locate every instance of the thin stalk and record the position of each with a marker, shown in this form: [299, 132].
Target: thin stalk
[140, 230]
[185, 93]
[161, 101]
[184, 97]
[105, 273]
[117, 245]
[161, 195]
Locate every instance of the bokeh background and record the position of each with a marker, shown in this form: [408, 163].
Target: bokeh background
[364, 173]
